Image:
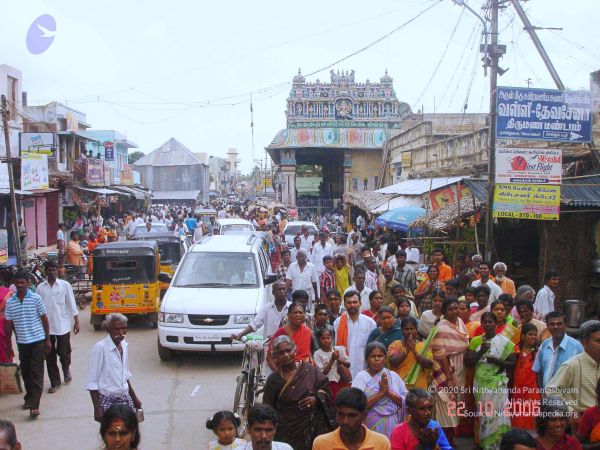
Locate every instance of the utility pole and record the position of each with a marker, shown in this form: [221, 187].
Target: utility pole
[538, 44]
[493, 55]
[11, 179]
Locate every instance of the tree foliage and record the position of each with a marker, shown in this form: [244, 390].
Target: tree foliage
[134, 156]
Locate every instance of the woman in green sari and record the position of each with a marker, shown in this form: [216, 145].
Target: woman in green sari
[388, 330]
[491, 354]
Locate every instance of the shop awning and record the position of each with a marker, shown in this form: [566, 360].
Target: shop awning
[102, 191]
[176, 195]
[79, 135]
[138, 194]
[398, 202]
[17, 191]
[419, 186]
[581, 191]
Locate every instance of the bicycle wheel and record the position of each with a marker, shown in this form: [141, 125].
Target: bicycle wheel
[250, 393]
[240, 402]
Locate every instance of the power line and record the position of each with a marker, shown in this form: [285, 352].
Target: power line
[87, 98]
[441, 58]
[264, 91]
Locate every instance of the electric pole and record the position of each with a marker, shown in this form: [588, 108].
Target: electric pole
[493, 55]
[538, 44]
[11, 179]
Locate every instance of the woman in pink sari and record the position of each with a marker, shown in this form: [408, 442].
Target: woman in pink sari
[448, 377]
[6, 351]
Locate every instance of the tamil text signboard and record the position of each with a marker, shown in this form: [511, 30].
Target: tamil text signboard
[94, 172]
[34, 171]
[544, 115]
[526, 201]
[528, 165]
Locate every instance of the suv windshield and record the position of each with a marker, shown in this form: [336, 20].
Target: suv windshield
[294, 230]
[208, 269]
[236, 228]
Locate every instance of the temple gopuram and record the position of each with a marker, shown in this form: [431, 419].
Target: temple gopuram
[340, 126]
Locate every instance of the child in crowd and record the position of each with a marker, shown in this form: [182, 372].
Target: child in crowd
[225, 426]
[321, 321]
[333, 362]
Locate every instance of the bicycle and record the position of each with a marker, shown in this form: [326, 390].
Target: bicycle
[251, 382]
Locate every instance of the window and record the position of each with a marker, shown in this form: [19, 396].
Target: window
[215, 270]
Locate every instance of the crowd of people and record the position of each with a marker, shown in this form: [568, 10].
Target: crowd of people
[363, 311]
[368, 348]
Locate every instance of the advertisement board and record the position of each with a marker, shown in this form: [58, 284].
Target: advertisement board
[34, 171]
[446, 195]
[109, 150]
[528, 165]
[127, 177]
[544, 114]
[526, 201]
[94, 172]
[107, 174]
[36, 142]
[3, 246]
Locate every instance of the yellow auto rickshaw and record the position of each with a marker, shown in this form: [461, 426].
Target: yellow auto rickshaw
[171, 247]
[125, 280]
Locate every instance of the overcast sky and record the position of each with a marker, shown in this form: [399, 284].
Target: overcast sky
[155, 70]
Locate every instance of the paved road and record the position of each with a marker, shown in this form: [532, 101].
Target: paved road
[177, 397]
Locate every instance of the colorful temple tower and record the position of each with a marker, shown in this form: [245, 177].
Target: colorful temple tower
[340, 126]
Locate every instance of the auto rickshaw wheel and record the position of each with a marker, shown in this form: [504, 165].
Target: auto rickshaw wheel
[164, 353]
[96, 320]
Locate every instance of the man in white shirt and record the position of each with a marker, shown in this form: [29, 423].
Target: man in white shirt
[544, 300]
[62, 312]
[357, 327]
[352, 233]
[269, 316]
[484, 273]
[412, 255]
[303, 275]
[295, 248]
[321, 249]
[360, 287]
[306, 240]
[108, 369]
[61, 244]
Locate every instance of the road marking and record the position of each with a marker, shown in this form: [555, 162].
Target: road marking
[196, 390]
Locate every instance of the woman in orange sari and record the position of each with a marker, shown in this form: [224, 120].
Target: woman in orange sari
[297, 330]
[6, 351]
[525, 390]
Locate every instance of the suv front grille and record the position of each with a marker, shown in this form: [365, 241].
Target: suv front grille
[208, 320]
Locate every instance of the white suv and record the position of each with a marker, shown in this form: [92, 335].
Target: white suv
[216, 291]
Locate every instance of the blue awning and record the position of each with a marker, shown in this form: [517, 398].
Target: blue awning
[399, 219]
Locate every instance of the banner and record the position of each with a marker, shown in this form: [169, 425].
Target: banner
[94, 172]
[34, 171]
[127, 178]
[447, 195]
[109, 150]
[544, 114]
[529, 165]
[3, 246]
[526, 201]
[107, 174]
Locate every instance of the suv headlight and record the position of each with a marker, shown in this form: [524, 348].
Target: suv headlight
[243, 319]
[170, 317]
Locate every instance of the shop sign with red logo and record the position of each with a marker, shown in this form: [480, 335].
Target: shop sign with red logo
[528, 165]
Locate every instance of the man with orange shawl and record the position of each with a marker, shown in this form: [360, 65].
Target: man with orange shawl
[352, 330]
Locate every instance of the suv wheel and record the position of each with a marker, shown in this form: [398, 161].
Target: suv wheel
[164, 353]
